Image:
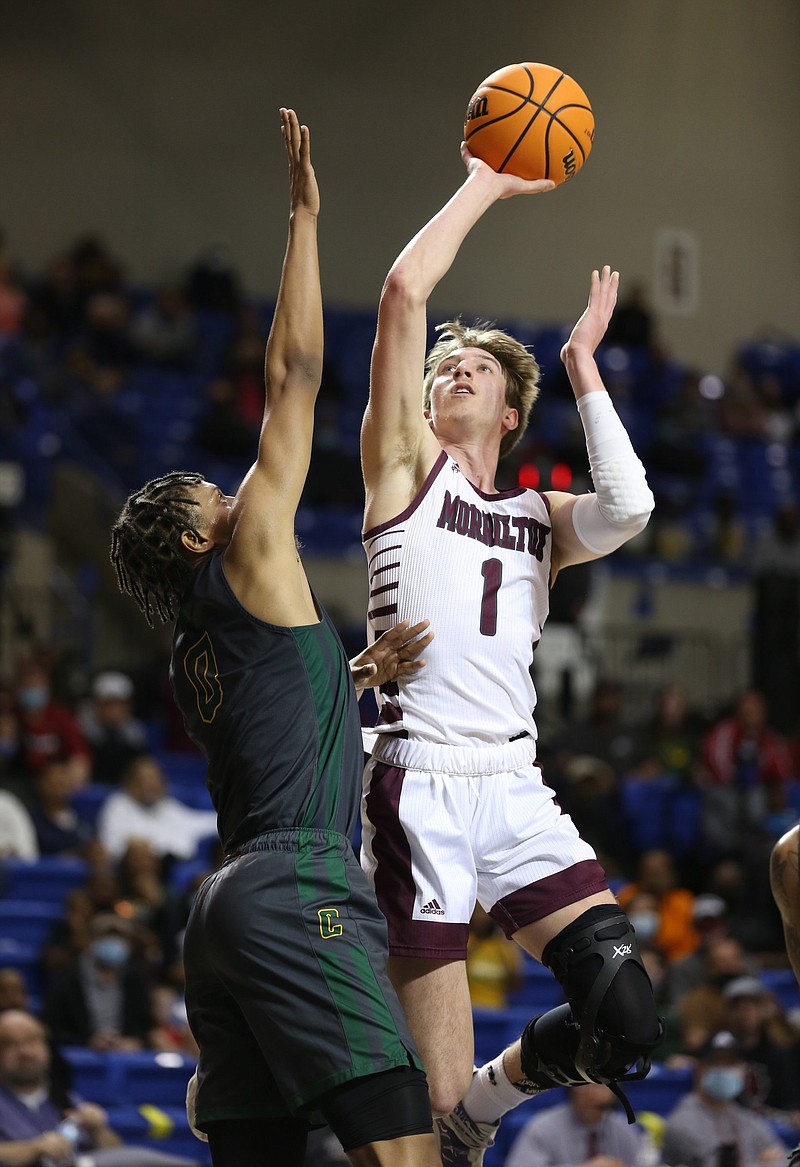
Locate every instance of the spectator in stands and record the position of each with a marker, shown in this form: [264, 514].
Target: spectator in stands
[243, 362]
[742, 752]
[710, 918]
[171, 1032]
[70, 935]
[13, 775]
[584, 1131]
[13, 990]
[222, 429]
[102, 999]
[59, 829]
[655, 873]
[212, 282]
[105, 333]
[603, 733]
[672, 737]
[17, 832]
[116, 737]
[494, 964]
[768, 1041]
[40, 1124]
[49, 730]
[144, 809]
[709, 1127]
[13, 299]
[164, 332]
[703, 1010]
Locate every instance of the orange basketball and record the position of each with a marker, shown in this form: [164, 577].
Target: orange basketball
[530, 120]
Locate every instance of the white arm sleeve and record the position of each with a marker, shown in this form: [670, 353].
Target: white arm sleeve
[622, 502]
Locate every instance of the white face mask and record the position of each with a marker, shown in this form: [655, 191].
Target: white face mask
[645, 925]
[723, 1082]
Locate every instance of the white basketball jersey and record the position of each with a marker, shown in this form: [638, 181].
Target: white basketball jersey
[478, 567]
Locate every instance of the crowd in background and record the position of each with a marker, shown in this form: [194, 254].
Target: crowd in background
[682, 806]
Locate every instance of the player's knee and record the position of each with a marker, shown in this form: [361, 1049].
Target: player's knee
[611, 1023]
[447, 1090]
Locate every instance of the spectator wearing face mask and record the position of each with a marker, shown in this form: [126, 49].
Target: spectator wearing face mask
[48, 730]
[102, 998]
[709, 1127]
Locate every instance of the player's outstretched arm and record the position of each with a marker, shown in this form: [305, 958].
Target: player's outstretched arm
[267, 499]
[394, 425]
[396, 653]
[588, 526]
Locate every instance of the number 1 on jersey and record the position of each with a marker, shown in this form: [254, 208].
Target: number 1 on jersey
[492, 572]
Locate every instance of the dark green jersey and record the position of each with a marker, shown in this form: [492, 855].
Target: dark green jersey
[274, 711]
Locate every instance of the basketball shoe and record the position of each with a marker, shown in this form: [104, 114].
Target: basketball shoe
[462, 1140]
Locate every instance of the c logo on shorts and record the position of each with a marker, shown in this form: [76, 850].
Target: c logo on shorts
[327, 928]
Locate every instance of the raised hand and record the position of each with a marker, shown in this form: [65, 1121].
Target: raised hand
[396, 653]
[591, 328]
[303, 188]
[507, 185]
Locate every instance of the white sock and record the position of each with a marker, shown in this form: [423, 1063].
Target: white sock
[492, 1093]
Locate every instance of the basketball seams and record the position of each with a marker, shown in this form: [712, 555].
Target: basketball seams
[533, 149]
[542, 105]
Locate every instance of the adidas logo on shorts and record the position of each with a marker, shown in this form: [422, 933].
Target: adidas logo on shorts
[431, 909]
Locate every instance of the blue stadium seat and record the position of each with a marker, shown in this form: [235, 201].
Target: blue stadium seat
[143, 1077]
[88, 801]
[24, 958]
[48, 879]
[783, 983]
[28, 921]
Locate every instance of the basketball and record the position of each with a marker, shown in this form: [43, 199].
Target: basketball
[531, 120]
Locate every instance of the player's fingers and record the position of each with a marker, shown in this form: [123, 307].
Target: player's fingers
[416, 629]
[414, 647]
[410, 666]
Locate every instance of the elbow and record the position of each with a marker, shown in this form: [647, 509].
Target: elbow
[402, 290]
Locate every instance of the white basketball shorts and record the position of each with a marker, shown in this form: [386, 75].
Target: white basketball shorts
[443, 826]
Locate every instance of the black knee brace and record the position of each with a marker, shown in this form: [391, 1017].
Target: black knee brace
[609, 1029]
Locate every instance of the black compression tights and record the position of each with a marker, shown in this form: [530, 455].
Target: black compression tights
[257, 1142]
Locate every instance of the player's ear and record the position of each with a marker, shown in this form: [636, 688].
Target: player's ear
[510, 418]
[195, 543]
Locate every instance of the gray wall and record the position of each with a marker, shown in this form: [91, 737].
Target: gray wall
[154, 122]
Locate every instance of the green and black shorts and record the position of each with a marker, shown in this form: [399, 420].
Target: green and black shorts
[286, 984]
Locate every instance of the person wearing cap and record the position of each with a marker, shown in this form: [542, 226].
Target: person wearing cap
[103, 998]
[710, 917]
[116, 737]
[756, 1020]
[710, 1127]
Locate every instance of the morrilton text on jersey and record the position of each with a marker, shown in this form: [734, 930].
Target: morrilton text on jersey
[516, 532]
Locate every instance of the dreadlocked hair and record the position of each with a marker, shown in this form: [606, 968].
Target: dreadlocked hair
[519, 366]
[146, 548]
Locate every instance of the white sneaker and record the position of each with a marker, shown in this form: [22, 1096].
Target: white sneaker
[462, 1140]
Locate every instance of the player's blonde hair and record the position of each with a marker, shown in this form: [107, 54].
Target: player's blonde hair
[519, 365]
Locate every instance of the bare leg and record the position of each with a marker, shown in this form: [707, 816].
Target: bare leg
[435, 998]
[784, 874]
[413, 1151]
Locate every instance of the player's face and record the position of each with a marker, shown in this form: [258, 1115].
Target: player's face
[215, 514]
[469, 384]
